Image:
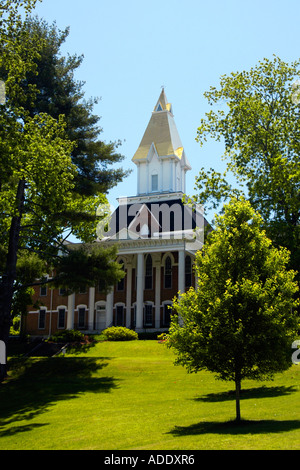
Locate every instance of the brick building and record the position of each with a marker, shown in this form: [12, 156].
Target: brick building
[157, 235]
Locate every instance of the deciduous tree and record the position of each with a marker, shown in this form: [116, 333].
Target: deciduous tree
[256, 114]
[241, 321]
[39, 177]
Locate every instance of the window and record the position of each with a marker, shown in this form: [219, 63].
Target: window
[82, 290]
[121, 283]
[154, 182]
[81, 317]
[119, 315]
[43, 291]
[148, 315]
[42, 319]
[188, 271]
[61, 317]
[168, 273]
[62, 291]
[148, 273]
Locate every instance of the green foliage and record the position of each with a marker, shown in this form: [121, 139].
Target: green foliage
[60, 94]
[16, 324]
[54, 168]
[241, 320]
[162, 337]
[259, 126]
[87, 265]
[68, 336]
[119, 333]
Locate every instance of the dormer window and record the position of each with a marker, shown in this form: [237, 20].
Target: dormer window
[154, 182]
[159, 108]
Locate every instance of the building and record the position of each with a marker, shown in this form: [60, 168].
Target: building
[157, 235]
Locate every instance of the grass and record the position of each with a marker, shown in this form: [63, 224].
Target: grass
[129, 395]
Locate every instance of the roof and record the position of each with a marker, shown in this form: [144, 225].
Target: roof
[162, 133]
[157, 219]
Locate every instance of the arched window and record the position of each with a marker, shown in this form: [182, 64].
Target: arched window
[119, 319]
[42, 318]
[121, 283]
[148, 273]
[188, 271]
[168, 273]
[81, 316]
[148, 314]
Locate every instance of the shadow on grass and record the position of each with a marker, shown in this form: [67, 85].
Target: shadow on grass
[258, 392]
[244, 426]
[235, 428]
[37, 384]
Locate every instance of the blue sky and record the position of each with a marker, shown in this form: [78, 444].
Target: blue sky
[131, 48]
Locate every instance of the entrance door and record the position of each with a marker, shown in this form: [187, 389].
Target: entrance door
[100, 317]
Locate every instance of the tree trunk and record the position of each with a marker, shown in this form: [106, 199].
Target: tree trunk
[9, 276]
[237, 399]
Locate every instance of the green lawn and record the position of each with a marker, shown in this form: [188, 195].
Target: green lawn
[129, 395]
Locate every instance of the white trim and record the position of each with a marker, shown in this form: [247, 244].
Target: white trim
[81, 306]
[164, 257]
[60, 306]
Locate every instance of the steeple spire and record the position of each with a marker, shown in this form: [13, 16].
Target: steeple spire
[162, 103]
[161, 149]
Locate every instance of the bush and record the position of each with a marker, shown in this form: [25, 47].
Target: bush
[68, 336]
[119, 333]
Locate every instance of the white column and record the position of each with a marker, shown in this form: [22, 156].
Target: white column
[157, 292]
[138, 178]
[140, 291]
[181, 271]
[128, 294]
[71, 308]
[91, 308]
[171, 175]
[109, 308]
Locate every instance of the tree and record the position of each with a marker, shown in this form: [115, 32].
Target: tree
[38, 179]
[240, 322]
[259, 122]
[60, 93]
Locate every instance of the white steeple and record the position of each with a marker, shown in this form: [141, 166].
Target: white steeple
[160, 157]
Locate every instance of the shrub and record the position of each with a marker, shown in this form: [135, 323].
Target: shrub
[162, 337]
[68, 336]
[119, 333]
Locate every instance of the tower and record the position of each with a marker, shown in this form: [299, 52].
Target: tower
[160, 158]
